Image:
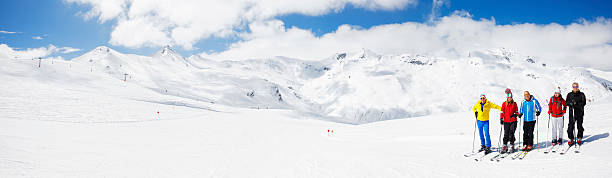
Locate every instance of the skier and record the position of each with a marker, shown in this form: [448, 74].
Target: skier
[509, 112]
[530, 108]
[481, 111]
[576, 101]
[556, 109]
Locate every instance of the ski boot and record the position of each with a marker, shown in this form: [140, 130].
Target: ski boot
[482, 148]
[487, 150]
[579, 141]
[527, 148]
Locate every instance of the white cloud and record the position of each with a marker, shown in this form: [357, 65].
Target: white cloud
[66, 50]
[7, 32]
[136, 33]
[435, 9]
[153, 23]
[7, 51]
[584, 43]
[103, 9]
[37, 37]
[158, 22]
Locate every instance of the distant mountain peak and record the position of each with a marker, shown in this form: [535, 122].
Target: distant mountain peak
[98, 52]
[103, 49]
[167, 51]
[367, 53]
[169, 54]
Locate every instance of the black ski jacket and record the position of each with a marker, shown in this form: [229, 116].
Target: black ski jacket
[576, 102]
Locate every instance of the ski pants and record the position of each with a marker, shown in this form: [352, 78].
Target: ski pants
[509, 128]
[528, 132]
[557, 128]
[570, 127]
[483, 131]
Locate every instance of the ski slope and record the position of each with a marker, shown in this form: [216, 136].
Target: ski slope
[349, 87]
[193, 117]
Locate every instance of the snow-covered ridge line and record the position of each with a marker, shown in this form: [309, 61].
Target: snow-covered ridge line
[354, 87]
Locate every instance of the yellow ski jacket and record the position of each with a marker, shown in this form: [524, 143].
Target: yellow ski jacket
[483, 111]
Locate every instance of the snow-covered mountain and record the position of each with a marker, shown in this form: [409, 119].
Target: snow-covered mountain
[168, 56]
[196, 117]
[366, 87]
[354, 87]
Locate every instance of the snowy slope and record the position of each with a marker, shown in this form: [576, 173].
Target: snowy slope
[63, 121]
[195, 117]
[357, 87]
[366, 87]
[249, 84]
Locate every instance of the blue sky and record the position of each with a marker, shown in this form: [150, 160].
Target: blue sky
[60, 24]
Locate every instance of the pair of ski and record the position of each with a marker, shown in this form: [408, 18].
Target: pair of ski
[553, 149]
[497, 157]
[521, 155]
[576, 146]
[471, 154]
[501, 156]
[481, 155]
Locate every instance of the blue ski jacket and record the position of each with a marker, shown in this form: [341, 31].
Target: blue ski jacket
[529, 108]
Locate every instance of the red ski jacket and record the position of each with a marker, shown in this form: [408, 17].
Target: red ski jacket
[556, 106]
[507, 110]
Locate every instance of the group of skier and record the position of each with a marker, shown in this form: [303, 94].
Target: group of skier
[529, 111]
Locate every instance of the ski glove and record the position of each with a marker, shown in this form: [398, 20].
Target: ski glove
[476, 114]
[501, 121]
[520, 115]
[537, 113]
[513, 115]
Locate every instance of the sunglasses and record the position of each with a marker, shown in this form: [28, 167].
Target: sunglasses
[574, 86]
[482, 98]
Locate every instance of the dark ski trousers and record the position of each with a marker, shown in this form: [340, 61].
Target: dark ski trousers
[528, 132]
[570, 126]
[509, 128]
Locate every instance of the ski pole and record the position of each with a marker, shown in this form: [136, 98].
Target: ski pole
[569, 123]
[573, 124]
[538, 133]
[474, 135]
[499, 140]
[520, 127]
[575, 130]
[562, 129]
[548, 129]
